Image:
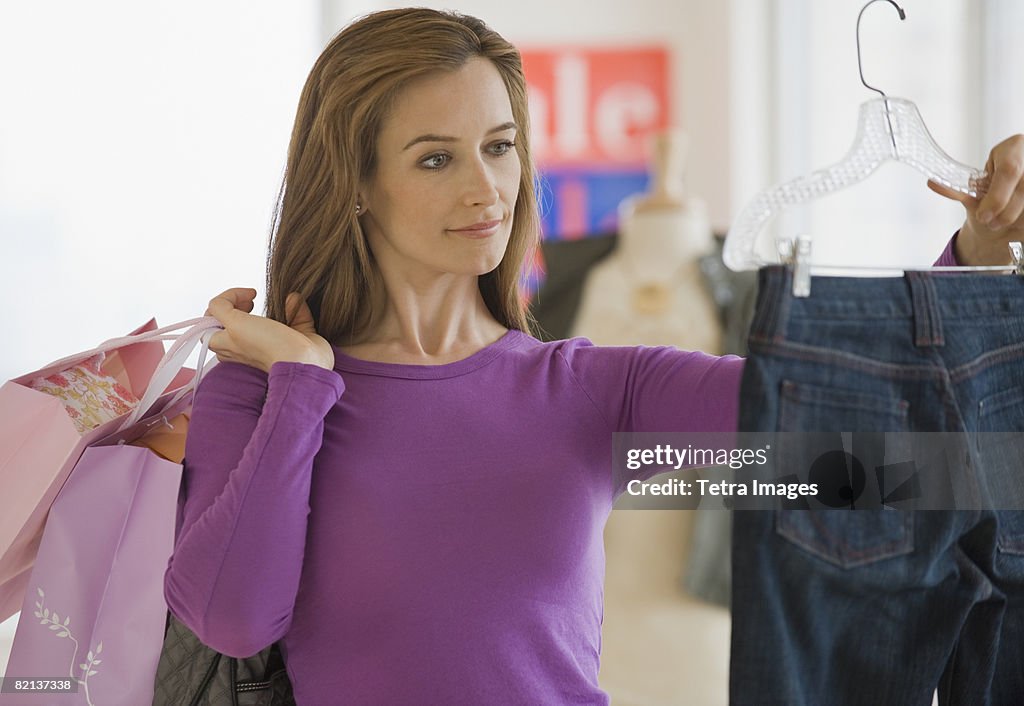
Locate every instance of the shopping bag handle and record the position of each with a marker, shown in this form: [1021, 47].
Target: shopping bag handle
[199, 332]
[161, 334]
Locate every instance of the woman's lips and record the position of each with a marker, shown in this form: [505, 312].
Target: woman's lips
[484, 229]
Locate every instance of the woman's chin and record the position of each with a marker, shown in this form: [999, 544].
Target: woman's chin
[483, 265]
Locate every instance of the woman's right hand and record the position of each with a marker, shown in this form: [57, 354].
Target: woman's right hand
[261, 342]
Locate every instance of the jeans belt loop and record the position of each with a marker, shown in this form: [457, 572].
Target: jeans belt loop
[927, 320]
[775, 285]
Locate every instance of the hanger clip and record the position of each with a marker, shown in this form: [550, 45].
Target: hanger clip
[797, 254]
[1017, 253]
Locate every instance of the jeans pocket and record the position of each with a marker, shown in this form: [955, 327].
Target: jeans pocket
[848, 539]
[1001, 452]
[805, 408]
[837, 440]
[845, 538]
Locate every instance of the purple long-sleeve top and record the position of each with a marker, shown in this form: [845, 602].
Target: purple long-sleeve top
[418, 534]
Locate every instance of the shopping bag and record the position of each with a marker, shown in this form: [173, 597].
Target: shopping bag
[39, 443]
[92, 622]
[94, 613]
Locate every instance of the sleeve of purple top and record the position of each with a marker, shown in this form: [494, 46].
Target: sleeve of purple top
[948, 256]
[656, 389]
[252, 438]
[641, 388]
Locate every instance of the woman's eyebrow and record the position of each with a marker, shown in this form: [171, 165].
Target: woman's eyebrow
[431, 137]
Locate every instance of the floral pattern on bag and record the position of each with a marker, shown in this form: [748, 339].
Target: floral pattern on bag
[52, 620]
[90, 397]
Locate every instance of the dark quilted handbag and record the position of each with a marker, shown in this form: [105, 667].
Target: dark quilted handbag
[191, 674]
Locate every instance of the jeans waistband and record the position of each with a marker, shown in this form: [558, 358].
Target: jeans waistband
[931, 302]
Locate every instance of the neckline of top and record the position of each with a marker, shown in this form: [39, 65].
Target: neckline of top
[346, 363]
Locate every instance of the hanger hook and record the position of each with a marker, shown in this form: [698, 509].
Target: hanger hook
[860, 67]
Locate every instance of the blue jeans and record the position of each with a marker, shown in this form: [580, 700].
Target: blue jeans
[880, 607]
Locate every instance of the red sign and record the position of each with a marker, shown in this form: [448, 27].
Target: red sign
[595, 107]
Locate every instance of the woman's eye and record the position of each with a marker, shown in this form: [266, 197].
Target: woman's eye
[435, 161]
[502, 147]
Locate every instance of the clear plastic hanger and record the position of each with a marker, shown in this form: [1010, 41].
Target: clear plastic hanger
[888, 129]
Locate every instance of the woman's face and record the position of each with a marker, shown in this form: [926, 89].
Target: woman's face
[442, 198]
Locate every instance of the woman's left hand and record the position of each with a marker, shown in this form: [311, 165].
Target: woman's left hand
[997, 218]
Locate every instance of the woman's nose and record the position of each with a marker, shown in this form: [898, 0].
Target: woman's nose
[481, 187]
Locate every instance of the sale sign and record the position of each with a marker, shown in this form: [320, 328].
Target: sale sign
[591, 112]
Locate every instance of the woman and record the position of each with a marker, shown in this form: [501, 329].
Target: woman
[401, 484]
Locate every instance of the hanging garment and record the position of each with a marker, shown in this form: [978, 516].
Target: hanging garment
[880, 607]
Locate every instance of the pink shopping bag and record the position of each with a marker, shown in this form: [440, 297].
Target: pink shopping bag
[39, 445]
[92, 621]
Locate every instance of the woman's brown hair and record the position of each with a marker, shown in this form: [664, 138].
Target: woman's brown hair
[317, 246]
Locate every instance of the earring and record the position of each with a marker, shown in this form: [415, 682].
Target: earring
[359, 208]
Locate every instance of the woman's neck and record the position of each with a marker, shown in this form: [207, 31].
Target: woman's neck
[428, 325]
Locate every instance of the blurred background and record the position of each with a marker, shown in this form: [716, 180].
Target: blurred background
[142, 146]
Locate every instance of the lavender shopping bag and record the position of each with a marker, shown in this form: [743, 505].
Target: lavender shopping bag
[94, 613]
[93, 618]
